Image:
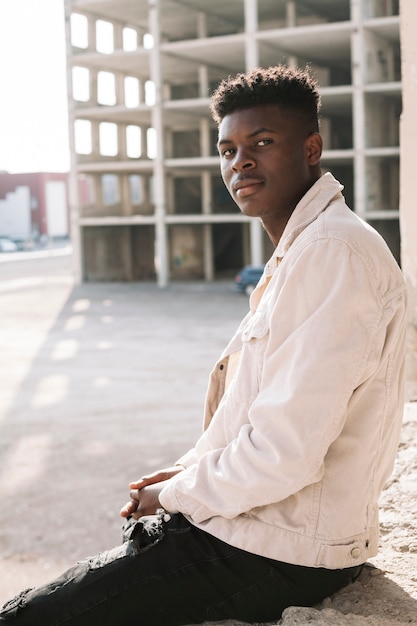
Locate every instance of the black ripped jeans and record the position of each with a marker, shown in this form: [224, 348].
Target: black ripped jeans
[170, 573]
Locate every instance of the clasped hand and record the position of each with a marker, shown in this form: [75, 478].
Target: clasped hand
[144, 493]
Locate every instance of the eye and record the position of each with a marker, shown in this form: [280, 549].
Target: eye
[264, 142]
[227, 152]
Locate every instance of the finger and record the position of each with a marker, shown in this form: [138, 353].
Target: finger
[134, 495]
[129, 508]
[142, 482]
[157, 477]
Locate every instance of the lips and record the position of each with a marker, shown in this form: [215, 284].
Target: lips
[247, 187]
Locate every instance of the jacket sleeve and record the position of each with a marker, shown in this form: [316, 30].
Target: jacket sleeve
[324, 336]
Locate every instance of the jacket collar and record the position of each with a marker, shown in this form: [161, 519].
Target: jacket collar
[314, 202]
[307, 210]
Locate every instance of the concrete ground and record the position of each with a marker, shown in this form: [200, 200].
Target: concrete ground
[100, 383]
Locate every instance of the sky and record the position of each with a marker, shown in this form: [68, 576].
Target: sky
[33, 97]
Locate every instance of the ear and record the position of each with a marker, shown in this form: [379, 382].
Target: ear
[313, 147]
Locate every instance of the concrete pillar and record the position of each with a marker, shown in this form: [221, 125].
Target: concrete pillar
[201, 25]
[208, 253]
[251, 26]
[73, 196]
[206, 201]
[143, 144]
[141, 91]
[358, 67]
[161, 244]
[125, 194]
[121, 141]
[95, 139]
[252, 61]
[291, 14]
[408, 219]
[98, 190]
[203, 81]
[120, 89]
[118, 36]
[127, 254]
[207, 238]
[205, 136]
[92, 35]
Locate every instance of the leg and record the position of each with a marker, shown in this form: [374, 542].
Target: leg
[170, 574]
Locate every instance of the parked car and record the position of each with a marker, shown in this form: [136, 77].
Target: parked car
[248, 277]
[7, 245]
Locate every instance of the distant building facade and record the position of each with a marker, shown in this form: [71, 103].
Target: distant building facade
[34, 206]
[146, 191]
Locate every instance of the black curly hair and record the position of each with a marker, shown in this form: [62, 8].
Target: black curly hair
[293, 90]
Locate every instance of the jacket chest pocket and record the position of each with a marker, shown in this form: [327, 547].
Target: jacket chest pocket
[256, 328]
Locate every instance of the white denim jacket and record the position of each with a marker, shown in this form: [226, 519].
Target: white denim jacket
[304, 408]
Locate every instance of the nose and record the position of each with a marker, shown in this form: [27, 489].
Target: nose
[243, 161]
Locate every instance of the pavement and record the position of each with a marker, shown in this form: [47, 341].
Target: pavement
[99, 384]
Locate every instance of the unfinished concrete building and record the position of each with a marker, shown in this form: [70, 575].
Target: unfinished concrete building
[147, 198]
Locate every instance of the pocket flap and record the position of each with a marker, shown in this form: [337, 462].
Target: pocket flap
[256, 327]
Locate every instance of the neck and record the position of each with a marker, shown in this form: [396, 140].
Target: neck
[275, 224]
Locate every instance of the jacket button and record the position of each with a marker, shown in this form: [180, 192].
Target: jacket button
[355, 553]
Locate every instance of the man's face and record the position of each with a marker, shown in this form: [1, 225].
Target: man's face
[266, 162]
